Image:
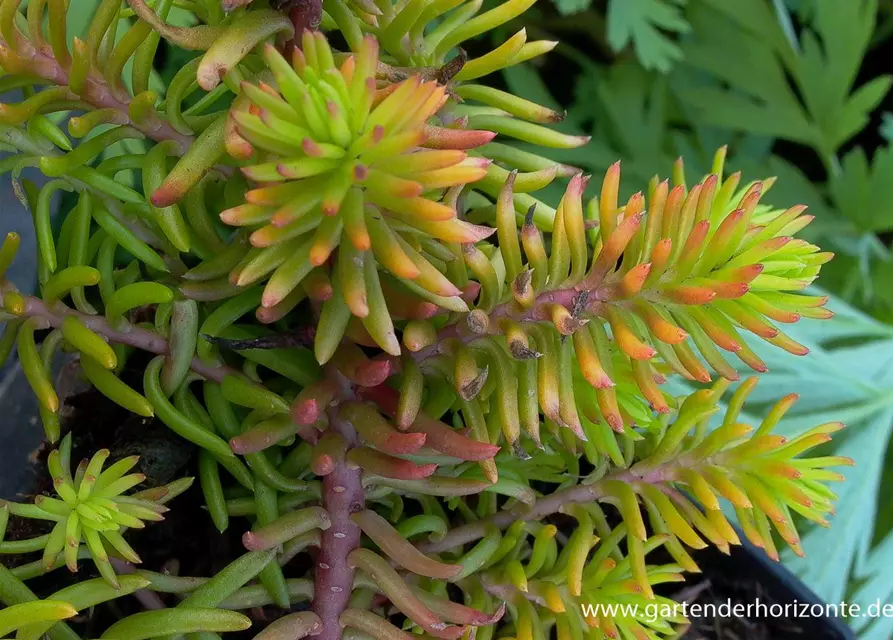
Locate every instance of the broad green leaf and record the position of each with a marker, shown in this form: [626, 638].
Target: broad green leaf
[878, 588]
[645, 24]
[863, 191]
[803, 8]
[570, 7]
[886, 129]
[832, 53]
[735, 53]
[723, 108]
[755, 17]
[854, 115]
[766, 83]
[630, 110]
[635, 104]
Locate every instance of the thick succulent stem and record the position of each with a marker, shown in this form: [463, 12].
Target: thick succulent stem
[593, 301]
[342, 494]
[304, 15]
[99, 95]
[553, 503]
[134, 336]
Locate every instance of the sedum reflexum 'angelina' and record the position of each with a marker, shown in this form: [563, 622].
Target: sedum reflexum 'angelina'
[388, 352]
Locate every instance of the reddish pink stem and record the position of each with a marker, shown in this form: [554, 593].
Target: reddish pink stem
[135, 336]
[598, 297]
[548, 505]
[342, 495]
[96, 92]
[305, 15]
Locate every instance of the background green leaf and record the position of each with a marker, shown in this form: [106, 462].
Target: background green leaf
[642, 23]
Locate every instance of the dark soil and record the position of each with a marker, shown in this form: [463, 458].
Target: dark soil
[745, 578]
[722, 589]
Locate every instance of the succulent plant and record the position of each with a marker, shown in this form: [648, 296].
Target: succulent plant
[389, 351]
[341, 159]
[91, 508]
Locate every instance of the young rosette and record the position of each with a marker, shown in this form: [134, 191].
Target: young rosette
[344, 165]
[91, 508]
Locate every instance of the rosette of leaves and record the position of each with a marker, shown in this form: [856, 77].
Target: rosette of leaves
[91, 508]
[337, 164]
[426, 38]
[341, 166]
[89, 76]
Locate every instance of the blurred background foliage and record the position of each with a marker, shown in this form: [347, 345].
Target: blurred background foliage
[798, 90]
